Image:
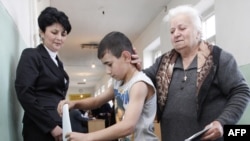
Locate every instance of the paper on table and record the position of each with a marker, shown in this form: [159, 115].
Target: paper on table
[66, 121]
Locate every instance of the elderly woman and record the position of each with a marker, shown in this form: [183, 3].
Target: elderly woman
[194, 82]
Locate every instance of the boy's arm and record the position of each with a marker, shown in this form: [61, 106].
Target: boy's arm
[137, 97]
[95, 102]
[88, 103]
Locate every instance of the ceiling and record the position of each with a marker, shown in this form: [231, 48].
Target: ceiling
[91, 20]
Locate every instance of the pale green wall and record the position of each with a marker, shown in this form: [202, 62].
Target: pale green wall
[246, 116]
[10, 109]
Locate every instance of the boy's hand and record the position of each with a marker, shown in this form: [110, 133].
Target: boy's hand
[60, 106]
[73, 136]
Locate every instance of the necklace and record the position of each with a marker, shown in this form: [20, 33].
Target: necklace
[185, 76]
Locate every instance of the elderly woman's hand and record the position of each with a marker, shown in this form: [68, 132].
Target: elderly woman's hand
[214, 132]
[136, 60]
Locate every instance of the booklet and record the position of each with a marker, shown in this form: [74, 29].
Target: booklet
[197, 135]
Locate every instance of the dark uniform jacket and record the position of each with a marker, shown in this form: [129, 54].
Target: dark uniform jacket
[40, 84]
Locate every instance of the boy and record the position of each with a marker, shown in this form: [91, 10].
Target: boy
[133, 91]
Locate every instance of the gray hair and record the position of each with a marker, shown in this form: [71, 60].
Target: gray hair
[187, 10]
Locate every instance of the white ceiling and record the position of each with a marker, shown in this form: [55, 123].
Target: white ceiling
[91, 20]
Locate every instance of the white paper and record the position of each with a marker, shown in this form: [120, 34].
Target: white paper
[198, 134]
[66, 121]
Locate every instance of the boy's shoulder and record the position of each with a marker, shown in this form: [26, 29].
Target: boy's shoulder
[141, 76]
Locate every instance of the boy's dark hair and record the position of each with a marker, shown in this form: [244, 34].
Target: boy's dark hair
[51, 15]
[116, 43]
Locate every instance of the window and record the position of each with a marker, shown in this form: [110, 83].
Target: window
[209, 29]
[157, 54]
[151, 52]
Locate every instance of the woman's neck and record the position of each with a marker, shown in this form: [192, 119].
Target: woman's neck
[189, 55]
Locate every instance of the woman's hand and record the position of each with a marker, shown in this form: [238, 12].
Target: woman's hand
[57, 133]
[136, 60]
[60, 106]
[215, 131]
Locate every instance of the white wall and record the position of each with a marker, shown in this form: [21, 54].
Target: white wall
[233, 28]
[22, 13]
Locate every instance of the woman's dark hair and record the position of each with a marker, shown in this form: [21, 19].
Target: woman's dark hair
[51, 15]
[116, 43]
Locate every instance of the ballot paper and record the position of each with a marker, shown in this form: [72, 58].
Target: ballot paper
[197, 135]
[66, 121]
